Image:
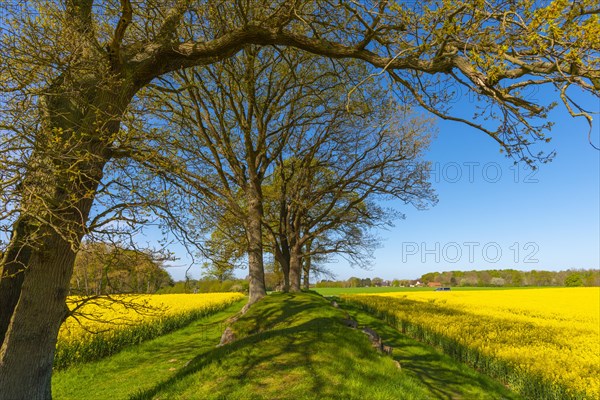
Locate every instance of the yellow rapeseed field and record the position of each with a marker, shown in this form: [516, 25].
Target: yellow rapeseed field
[543, 342]
[102, 327]
[106, 315]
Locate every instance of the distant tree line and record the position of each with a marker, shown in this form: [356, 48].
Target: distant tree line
[224, 283]
[484, 278]
[118, 115]
[102, 268]
[364, 282]
[512, 277]
[105, 269]
[206, 285]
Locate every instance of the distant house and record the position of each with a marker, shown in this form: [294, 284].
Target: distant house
[434, 284]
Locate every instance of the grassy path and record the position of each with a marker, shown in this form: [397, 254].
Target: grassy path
[288, 347]
[291, 347]
[140, 367]
[445, 378]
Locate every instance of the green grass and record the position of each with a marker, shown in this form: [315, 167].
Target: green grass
[289, 347]
[527, 384]
[100, 345]
[390, 289]
[141, 366]
[445, 378]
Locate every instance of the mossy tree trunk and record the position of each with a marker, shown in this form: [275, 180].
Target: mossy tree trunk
[255, 245]
[295, 267]
[57, 195]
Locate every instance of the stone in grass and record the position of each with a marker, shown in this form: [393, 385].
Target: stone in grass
[377, 342]
[350, 323]
[373, 337]
[227, 337]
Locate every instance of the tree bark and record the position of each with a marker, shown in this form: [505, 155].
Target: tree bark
[295, 268]
[11, 275]
[57, 196]
[282, 256]
[306, 275]
[255, 245]
[307, 265]
[27, 352]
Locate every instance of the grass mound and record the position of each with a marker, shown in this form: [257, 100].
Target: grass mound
[294, 346]
[288, 346]
[291, 346]
[86, 347]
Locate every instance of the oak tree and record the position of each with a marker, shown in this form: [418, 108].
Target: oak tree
[69, 71]
[326, 197]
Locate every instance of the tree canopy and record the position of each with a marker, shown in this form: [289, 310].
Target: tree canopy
[72, 75]
[101, 268]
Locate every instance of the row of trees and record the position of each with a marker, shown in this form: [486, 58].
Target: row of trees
[116, 115]
[511, 277]
[483, 278]
[206, 286]
[107, 269]
[353, 282]
[274, 157]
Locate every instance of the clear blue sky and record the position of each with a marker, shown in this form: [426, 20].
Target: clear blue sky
[549, 220]
[552, 216]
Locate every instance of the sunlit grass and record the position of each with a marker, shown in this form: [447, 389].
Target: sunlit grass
[141, 366]
[106, 326]
[543, 343]
[295, 347]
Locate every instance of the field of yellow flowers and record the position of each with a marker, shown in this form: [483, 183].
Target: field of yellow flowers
[543, 343]
[100, 327]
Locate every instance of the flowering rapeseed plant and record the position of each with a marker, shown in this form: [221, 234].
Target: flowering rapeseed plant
[543, 343]
[104, 326]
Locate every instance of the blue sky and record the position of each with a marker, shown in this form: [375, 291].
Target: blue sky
[545, 220]
[495, 215]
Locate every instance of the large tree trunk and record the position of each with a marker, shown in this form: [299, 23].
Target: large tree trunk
[307, 265]
[255, 246]
[57, 196]
[306, 275]
[11, 274]
[295, 268]
[27, 352]
[282, 256]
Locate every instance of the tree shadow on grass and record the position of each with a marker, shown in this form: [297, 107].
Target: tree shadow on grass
[292, 343]
[292, 346]
[296, 347]
[275, 309]
[444, 379]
